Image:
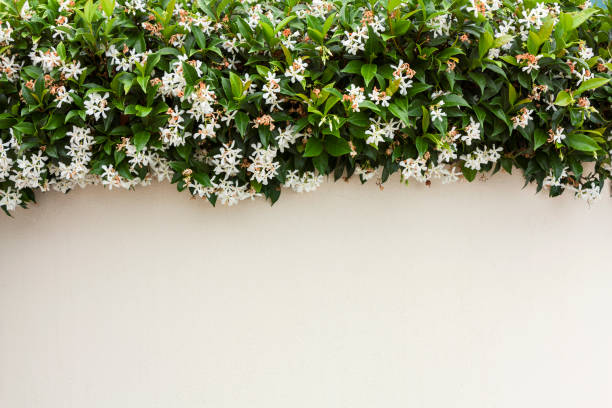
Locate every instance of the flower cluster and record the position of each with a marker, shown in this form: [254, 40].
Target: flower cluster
[236, 100]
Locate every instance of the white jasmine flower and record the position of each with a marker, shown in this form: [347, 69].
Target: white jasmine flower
[364, 174]
[583, 76]
[355, 97]
[414, 168]
[376, 132]
[227, 160]
[271, 89]
[522, 119]
[10, 68]
[287, 137]
[585, 52]
[355, 41]
[472, 132]
[589, 194]
[552, 181]
[550, 103]
[72, 70]
[437, 94]
[206, 131]
[296, 70]
[557, 135]
[451, 176]
[289, 40]
[231, 193]
[379, 97]
[447, 153]
[135, 6]
[436, 113]
[5, 33]
[441, 25]
[262, 164]
[478, 157]
[309, 181]
[532, 62]
[96, 105]
[10, 199]
[493, 53]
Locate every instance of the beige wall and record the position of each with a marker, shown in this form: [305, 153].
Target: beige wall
[468, 295]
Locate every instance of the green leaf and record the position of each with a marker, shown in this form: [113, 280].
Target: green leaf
[582, 16]
[283, 23]
[54, 122]
[202, 178]
[89, 11]
[61, 51]
[469, 174]
[400, 113]
[57, 135]
[184, 151]
[563, 99]
[316, 35]
[321, 162]
[26, 128]
[446, 53]
[511, 94]
[190, 74]
[143, 82]
[506, 164]
[417, 89]
[242, 123]
[353, 67]
[143, 111]
[581, 142]
[502, 40]
[565, 23]
[546, 30]
[336, 146]
[454, 100]
[359, 119]
[268, 33]
[6, 121]
[169, 12]
[425, 121]
[119, 156]
[509, 59]
[328, 23]
[367, 72]
[539, 138]
[330, 102]
[480, 79]
[108, 6]
[402, 26]
[484, 43]
[592, 83]
[222, 6]
[199, 36]
[533, 43]
[141, 138]
[236, 84]
[314, 147]
[392, 4]
[288, 56]
[152, 61]
[421, 145]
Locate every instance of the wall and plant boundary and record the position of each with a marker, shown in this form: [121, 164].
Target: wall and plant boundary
[233, 100]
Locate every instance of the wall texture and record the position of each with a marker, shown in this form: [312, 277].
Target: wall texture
[468, 295]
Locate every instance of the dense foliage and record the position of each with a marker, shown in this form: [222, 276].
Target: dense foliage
[233, 100]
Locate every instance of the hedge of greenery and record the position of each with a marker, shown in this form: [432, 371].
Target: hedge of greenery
[232, 100]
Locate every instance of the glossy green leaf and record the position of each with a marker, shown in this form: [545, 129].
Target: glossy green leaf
[314, 147]
[367, 72]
